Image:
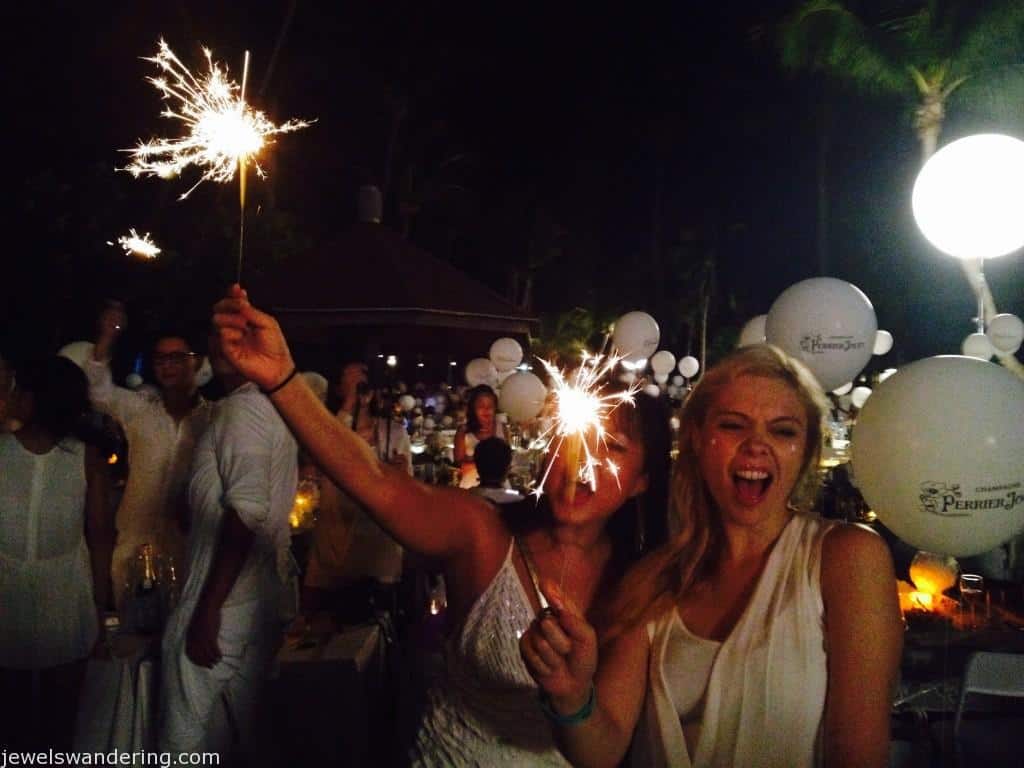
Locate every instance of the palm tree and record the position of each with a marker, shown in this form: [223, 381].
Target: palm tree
[929, 51]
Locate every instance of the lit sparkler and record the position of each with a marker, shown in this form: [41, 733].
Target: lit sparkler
[581, 411]
[134, 244]
[224, 133]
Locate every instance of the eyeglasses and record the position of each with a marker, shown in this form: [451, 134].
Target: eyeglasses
[173, 358]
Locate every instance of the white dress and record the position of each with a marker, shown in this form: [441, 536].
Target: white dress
[765, 698]
[246, 460]
[486, 711]
[47, 614]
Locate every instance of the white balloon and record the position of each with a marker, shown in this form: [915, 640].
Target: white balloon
[661, 378]
[316, 381]
[133, 380]
[636, 336]
[479, 371]
[407, 402]
[968, 197]
[883, 342]
[652, 390]
[428, 424]
[77, 352]
[502, 375]
[945, 479]
[506, 354]
[522, 396]
[978, 345]
[753, 331]
[847, 387]
[689, 366]
[205, 374]
[1006, 332]
[826, 323]
[627, 377]
[859, 396]
[662, 362]
[677, 381]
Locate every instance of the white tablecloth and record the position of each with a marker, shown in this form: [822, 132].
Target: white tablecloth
[117, 708]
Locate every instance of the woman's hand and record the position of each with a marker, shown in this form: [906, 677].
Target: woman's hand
[251, 340]
[560, 651]
[201, 638]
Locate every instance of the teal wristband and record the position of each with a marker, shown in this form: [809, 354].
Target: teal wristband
[575, 718]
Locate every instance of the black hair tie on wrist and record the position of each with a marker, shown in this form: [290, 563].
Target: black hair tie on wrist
[272, 390]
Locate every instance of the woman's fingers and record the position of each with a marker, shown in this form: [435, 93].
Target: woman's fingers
[534, 663]
[552, 632]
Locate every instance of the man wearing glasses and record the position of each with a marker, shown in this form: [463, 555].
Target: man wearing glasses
[162, 431]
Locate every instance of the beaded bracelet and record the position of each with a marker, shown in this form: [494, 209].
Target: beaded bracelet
[272, 390]
[576, 717]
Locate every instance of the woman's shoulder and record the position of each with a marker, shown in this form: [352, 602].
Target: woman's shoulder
[851, 551]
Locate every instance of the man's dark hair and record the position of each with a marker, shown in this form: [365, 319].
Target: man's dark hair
[492, 457]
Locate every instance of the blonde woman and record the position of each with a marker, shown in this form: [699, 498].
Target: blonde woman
[759, 634]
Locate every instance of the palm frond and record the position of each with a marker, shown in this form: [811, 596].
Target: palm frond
[825, 36]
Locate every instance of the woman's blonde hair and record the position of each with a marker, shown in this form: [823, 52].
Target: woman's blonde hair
[658, 580]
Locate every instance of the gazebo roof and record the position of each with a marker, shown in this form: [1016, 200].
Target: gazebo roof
[372, 276]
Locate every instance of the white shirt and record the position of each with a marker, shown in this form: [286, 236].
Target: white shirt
[159, 451]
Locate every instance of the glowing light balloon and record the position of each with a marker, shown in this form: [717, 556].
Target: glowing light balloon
[968, 197]
[407, 402]
[753, 332]
[883, 343]
[937, 454]
[677, 381]
[522, 396]
[506, 354]
[978, 345]
[826, 323]
[661, 378]
[1006, 332]
[688, 366]
[77, 352]
[662, 362]
[479, 371]
[652, 390]
[636, 336]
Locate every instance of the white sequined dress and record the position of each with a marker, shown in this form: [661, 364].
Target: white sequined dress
[486, 710]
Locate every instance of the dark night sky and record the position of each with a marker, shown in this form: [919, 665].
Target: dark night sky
[575, 118]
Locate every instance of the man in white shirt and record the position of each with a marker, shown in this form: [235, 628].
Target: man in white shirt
[161, 431]
[221, 639]
[493, 457]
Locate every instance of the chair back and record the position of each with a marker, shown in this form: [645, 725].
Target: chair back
[990, 674]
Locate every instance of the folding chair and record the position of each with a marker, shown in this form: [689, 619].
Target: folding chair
[988, 674]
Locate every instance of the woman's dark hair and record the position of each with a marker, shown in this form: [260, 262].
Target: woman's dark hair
[482, 390]
[60, 394]
[640, 525]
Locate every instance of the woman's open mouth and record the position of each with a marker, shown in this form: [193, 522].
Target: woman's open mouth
[751, 485]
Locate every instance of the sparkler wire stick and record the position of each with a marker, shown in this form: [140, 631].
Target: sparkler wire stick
[241, 176]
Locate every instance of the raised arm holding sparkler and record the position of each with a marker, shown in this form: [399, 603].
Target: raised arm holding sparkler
[488, 558]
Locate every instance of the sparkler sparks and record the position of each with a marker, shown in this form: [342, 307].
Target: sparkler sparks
[224, 132]
[581, 410]
[135, 245]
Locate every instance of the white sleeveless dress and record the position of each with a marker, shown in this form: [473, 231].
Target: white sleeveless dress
[765, 698]
[47, 615]
[486, 710]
